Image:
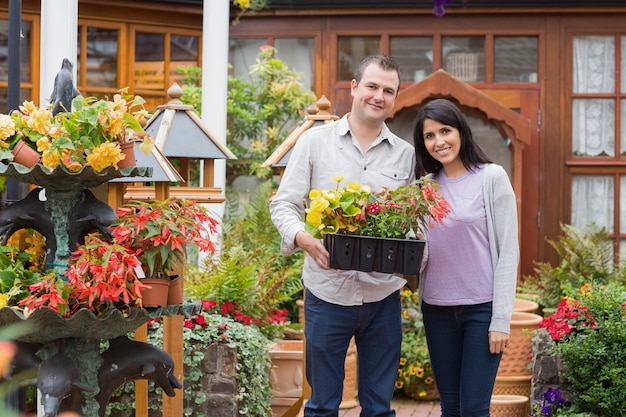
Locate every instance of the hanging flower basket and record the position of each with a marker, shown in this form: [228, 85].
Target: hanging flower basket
[374, 254]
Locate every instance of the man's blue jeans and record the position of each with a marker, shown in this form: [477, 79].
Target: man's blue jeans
[377, 330]
[465, 371]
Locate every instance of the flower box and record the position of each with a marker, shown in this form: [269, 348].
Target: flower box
[374, 254]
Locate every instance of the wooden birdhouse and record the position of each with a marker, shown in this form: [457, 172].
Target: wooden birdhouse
[318, 113]
[192, 149]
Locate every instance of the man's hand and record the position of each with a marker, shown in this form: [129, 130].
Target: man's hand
[314, 248]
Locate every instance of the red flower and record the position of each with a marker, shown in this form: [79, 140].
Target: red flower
[227, 308]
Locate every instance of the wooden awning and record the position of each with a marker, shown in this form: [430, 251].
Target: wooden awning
[441, 84]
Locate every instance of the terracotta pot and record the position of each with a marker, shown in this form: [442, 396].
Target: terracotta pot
[156, 296]
[25, 155]
[516, 358]
[128, 149]
[286, 375]
[413, 390]
[525, 306]
[509, 406]
[513, 385]
[175, 293]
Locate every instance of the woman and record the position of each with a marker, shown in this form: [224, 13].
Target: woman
[467, 289]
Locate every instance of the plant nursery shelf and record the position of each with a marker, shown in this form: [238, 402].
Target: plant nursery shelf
[374, 254]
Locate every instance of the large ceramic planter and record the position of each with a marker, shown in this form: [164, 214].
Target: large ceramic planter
[517, 356]
[415, 391]
[513, 385]
[286, 375]
[509, 406]
[374, 254]
[525, 306]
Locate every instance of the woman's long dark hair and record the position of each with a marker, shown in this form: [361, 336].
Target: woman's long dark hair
[446, 113]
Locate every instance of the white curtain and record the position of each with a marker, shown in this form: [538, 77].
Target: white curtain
[593, 120]
[593, 201]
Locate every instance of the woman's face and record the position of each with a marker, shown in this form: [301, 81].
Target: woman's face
[443, 142]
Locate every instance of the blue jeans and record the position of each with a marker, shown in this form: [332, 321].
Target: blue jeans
[377, 331]
[464, 370]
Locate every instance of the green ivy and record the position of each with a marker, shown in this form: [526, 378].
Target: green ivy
[253, 363]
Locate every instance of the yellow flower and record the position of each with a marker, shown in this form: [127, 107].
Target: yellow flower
[40, 120]
[50, 159]
[244, 4]
[28, 107]
[118, 104]
[4, 300]
[586, 289]
[7, 129]
[116, 124]
[399, 384]
[402, 361]
[354, 187]
[43, 144]
[338, 178]
[105, 155]
[142, 114]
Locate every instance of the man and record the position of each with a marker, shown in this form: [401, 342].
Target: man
[340, 304]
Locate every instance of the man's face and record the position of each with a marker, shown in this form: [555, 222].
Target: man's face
[374, 96]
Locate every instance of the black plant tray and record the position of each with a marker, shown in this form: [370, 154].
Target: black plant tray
[374, 254]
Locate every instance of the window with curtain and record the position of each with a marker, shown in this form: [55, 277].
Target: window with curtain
[598, 111]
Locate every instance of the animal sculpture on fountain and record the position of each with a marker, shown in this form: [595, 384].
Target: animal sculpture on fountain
[64, 90]
[126, 360]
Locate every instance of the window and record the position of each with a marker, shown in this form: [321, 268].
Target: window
[516, 59]
[158, 56]
[296, 53]
[352, 50]
[100, 57]
[464, 57]
[415, 56]
[598, 135]
[25, 64]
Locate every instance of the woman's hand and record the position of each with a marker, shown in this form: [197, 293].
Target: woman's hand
[497, 342]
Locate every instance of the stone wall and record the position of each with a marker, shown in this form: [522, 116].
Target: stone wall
[218, 382]
[547, 369]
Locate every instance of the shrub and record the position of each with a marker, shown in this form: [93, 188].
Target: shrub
[250, 270]
[591, 340]
[260, 113]
[586, 256]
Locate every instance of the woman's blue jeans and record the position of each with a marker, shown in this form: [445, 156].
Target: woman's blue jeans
[377, 331]
[464, 370]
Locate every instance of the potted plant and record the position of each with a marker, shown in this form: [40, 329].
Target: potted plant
[415, 373]
[100, 276]
[91, 134]
[158, 233]
[368, 231]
